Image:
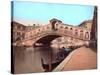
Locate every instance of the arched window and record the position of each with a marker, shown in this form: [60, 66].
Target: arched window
[56, 26]
[71, 28]
[61, 27]
[87, 35]
[34, 25]
[81, 34]
[71, 31]
[81, 31]
[53, 25]
[76, 32]
[66, 30]
[66, 27]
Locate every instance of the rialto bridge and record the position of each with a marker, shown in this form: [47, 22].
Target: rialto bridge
[45, 34]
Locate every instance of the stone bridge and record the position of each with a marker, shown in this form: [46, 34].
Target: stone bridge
[45, 34]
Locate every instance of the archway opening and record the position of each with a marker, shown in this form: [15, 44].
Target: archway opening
[53, 25]
[45, 41]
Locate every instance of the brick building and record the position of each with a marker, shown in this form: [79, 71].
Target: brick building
[86, 24]
[18, 31]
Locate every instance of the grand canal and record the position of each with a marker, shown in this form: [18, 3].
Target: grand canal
[29, 59]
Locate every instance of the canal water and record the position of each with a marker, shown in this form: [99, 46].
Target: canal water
[30, 60]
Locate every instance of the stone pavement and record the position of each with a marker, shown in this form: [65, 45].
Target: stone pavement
[84, 58]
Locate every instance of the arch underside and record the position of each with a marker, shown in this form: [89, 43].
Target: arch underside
[47, 39]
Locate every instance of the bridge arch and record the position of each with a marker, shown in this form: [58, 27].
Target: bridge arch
[46, 40]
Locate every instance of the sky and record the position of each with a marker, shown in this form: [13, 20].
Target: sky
[33, 12]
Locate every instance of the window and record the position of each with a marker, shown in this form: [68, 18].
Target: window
[87, 35]
[66, 30]
[81, 34]
[18, 33]
[76, 32]
[66, 27]
[71, 32]
[61, 27]
[81, 31]
[71, 28]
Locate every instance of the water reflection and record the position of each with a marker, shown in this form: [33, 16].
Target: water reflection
[29, 59]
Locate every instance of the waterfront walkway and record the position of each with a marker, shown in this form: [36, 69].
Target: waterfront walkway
[80, 59]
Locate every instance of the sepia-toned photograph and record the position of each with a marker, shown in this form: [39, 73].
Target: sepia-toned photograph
[52, 37]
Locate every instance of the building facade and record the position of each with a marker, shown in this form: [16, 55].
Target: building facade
[18, 31]
[86, 24]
